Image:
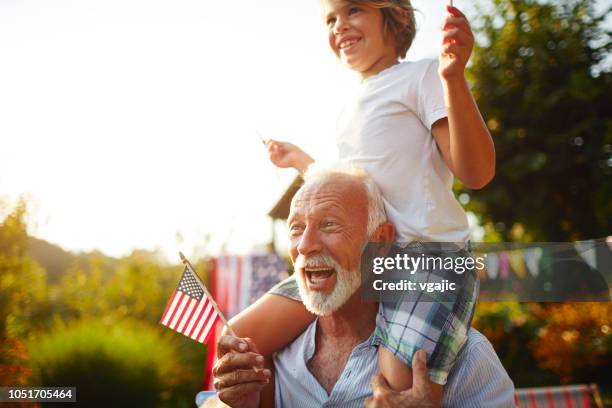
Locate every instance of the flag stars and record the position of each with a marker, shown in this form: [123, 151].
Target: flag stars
[190, 286]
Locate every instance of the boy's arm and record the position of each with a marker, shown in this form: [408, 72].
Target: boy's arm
[463, 138]
[285, 154]
[272, 322]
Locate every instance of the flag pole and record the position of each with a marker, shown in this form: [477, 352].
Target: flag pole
[264, 140]
[208, 295]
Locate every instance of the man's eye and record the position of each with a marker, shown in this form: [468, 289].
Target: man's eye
[328, 224]
[295, 228]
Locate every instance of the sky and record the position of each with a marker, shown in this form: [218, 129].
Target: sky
[133, 123]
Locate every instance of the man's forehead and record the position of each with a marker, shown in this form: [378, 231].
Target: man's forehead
[338, 189]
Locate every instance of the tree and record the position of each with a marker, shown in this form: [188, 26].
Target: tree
[23, 293]
[576, 341]
[540, 78]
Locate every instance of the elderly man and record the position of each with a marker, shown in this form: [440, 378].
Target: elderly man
[333, 362]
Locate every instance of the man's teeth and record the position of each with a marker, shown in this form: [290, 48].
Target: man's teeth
[347, 43]
[316, 274]
[318, 269]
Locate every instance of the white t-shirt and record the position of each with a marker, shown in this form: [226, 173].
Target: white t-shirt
[386, 130]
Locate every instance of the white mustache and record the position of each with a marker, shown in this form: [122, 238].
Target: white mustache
[315, 261]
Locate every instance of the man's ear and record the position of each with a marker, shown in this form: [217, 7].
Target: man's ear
[384, 234]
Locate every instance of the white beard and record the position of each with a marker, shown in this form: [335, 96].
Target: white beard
[324, 304]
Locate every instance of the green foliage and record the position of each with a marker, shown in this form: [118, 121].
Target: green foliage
[22, 281]
[137, 286]
[541, 83]
[113, 345]
[576, 342]
[13, 234]
[121, 363]
[543, 344]
[23, 293]
[511, 327]
[54, 259]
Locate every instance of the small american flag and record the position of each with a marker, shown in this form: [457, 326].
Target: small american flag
[190, 311]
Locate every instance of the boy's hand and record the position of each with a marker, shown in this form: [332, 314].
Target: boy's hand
[457, 44]
[285, 154]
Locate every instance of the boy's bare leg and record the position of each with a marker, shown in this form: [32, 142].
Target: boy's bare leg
[399, 376]
[272, 322]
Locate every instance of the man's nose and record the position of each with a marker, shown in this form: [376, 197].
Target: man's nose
[309, 242]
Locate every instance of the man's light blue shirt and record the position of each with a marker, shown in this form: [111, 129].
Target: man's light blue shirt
[476, 380]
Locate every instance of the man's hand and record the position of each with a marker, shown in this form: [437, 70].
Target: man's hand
[239, 374]
[285, 154]
[457, 44]
[417, 396]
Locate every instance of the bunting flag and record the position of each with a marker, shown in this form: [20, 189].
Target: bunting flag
[481, 268]
[267, 270]
[504, 266]
[515, 258]
[492, 263]
[586, 250]
[237, 282]
[536, 260]
[189, 310]
[226, 274]
[532, 260]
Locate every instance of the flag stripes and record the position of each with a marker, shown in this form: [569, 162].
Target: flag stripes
[189, 310]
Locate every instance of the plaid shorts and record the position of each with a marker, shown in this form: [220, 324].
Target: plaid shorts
[436, 322]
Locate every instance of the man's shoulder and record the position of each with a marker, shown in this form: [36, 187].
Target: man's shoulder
[477, 352]
[475, 340]
[478, 378]
[302, 345]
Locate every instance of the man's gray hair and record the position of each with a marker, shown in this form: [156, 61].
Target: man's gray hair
[376, 205]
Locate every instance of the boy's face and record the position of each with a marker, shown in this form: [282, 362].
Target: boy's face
[355, 34]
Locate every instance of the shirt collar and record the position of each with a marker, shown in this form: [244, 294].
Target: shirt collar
[310, 342]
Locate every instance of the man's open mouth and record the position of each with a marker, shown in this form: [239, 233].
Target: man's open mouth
[317, 275]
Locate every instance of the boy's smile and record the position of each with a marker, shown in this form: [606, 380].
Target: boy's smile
[356, 36]
[346, 44]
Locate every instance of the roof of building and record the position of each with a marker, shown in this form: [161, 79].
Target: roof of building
[280, 211]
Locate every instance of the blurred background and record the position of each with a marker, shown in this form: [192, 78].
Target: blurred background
[129, 131]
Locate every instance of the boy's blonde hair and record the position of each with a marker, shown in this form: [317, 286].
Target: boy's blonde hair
[398, 20]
